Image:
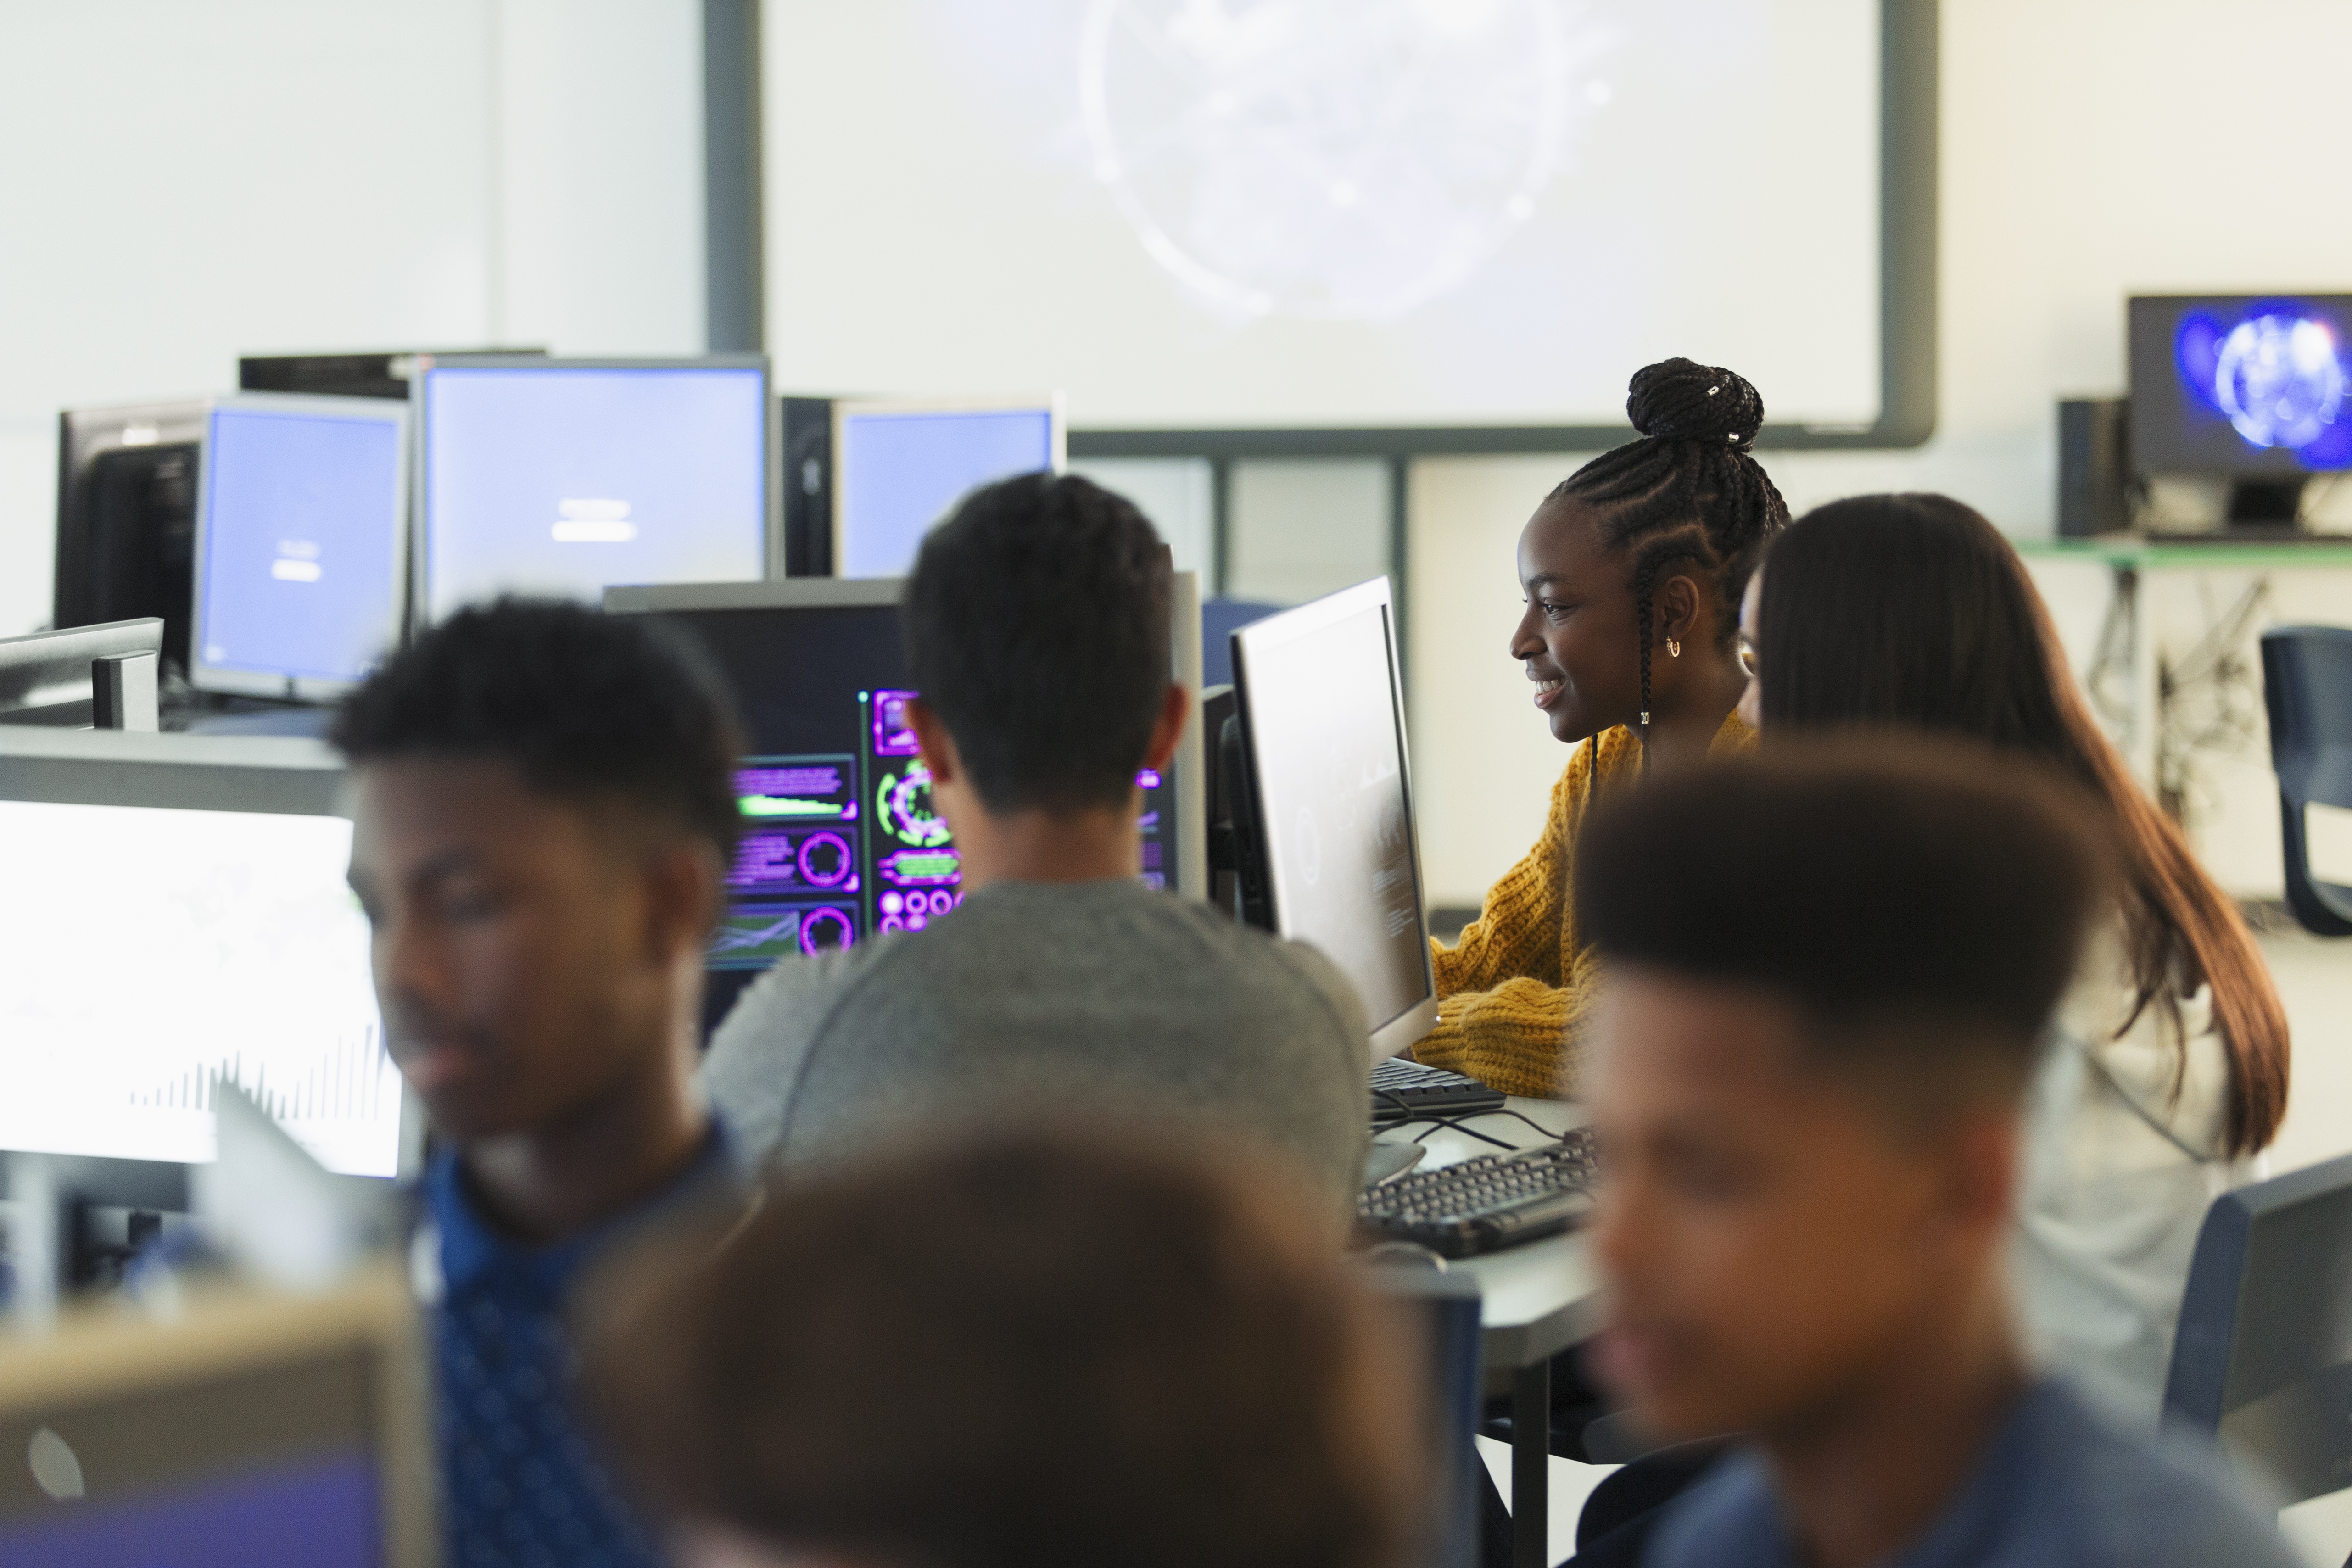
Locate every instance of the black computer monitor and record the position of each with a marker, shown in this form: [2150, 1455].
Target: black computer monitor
[126, 539]
[83, 677]
[840, 840]
[2254, 388]
[1323, 805]
[378, 372]
[564, 477]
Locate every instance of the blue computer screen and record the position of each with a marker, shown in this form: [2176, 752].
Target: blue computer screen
[321, 1513]
[565, 480]
[899, 471]
[301, 543]
[2240, 385]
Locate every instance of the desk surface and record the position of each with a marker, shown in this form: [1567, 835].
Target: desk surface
[2221, 555]
[1541, 1298]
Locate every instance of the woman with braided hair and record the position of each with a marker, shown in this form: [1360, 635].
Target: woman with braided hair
[1633, 568]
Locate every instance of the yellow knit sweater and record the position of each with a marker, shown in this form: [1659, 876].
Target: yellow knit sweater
[1513, 993]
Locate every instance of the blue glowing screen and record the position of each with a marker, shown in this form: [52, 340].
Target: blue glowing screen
[899, 472]
[566, 480]
[302, 528]
[321, 1513]
[2250, 385]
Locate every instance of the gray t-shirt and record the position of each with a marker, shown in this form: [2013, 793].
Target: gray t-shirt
[1071, 999]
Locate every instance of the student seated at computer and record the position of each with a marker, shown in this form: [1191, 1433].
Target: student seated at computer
[542, 814]
[1037, 625]
[1631, 569]
[2167, 1071]
[1030, 1350]
[1825, 974]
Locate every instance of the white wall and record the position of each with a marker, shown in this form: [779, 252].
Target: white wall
[180, 184]
[2091, 149]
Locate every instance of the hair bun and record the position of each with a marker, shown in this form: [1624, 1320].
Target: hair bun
[1681, 400]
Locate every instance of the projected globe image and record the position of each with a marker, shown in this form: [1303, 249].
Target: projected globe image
[1327, 158]
[2279, 381]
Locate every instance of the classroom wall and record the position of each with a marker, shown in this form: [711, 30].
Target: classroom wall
[183, 183]
[2091, 149]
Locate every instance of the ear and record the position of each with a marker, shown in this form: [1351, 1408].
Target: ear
[685, 890]
[932, 739]
[1977, 1153]
[1175, 707]
[1677, 606]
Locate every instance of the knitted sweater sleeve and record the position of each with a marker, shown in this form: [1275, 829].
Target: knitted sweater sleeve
[1511, 990]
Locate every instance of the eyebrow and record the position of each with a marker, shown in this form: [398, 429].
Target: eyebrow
[1539, 579]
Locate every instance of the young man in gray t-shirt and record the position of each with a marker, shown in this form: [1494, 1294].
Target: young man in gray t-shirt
[1038, 630]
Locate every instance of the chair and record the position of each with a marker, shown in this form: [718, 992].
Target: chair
[2263, 1358]
[2307, 687]
[1220, 619]
[1448, 1307]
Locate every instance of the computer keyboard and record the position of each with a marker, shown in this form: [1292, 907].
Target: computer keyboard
[1486, 1203]
[1409, 1091]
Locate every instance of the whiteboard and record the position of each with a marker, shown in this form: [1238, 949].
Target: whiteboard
[1325, 214]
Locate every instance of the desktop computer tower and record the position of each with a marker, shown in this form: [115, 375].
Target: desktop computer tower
[2093, 467]
[808, 487]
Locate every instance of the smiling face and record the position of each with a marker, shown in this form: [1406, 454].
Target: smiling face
[1776, 1237]
[527, 955]
[1578, 638]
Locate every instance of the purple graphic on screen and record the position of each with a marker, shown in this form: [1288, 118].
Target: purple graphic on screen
[894, 736]
[826, 860]
[823, 928]
[322, 1514]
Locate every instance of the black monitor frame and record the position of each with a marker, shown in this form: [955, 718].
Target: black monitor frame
[110, 567]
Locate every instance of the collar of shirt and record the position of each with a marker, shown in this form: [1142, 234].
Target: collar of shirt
[1734, 1519]
[471, 1250]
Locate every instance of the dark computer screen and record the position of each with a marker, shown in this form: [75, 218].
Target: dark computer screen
[563, 479]
[894, 473]
[2240, 385]
[840, 838]
[1324, 734]
[127, 516]
[302, 525]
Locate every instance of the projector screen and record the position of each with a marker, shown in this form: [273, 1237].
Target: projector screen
[1326, 215]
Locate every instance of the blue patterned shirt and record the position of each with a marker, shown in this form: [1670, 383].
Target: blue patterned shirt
[522, 1485]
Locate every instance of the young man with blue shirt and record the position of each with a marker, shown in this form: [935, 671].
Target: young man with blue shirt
[1827, 972]
[542, 814]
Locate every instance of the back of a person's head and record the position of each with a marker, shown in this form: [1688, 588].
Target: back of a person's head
[587, 708]
[1037, 628]
[1035, 1348]
[1909, 896]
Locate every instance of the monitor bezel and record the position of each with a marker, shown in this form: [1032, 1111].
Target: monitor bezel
[421, 385]
[271, 775]
[1395, 1034]
[847, 409]
[887, 592]
[207, 676]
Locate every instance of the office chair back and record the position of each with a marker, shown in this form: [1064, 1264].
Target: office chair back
[2263, 1357]
[2307, 687]
[1449, 1304]
[1220, 619]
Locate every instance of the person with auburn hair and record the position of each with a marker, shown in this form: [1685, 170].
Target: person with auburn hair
[1633, 568]
[2166, 1072]
[1026, 1348]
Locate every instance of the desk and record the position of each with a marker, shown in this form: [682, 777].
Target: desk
[1538, 1299]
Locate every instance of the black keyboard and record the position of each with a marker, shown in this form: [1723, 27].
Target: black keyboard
[1409, 1091]
[1490, 1203]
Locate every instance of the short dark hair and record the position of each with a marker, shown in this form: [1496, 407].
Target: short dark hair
[1891, 887]
[1026, 1348]
[584, 706]
[1036, 622]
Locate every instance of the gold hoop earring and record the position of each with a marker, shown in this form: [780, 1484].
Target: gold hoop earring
[1673, 649]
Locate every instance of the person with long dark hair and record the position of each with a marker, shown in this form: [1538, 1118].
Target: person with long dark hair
[1633, 568]
[2166, 1072]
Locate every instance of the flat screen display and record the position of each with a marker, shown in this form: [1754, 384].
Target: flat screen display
[563, 480]
[896, 474]
[2251, 385]
[1328, 761]
[242, 957]
[302, 527]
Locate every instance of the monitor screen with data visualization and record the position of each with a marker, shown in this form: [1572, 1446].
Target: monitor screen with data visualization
[155, 953]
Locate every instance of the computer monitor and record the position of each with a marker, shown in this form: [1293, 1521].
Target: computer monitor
[301, 543]
[899, 465]
[840, 840]
[175, 916]
[564, 477]
[1324, 806]
[83, 677]
[127, 516]
[246, 1428]
[2256, 389]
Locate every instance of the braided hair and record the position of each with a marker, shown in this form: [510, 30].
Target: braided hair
[1686, 491]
